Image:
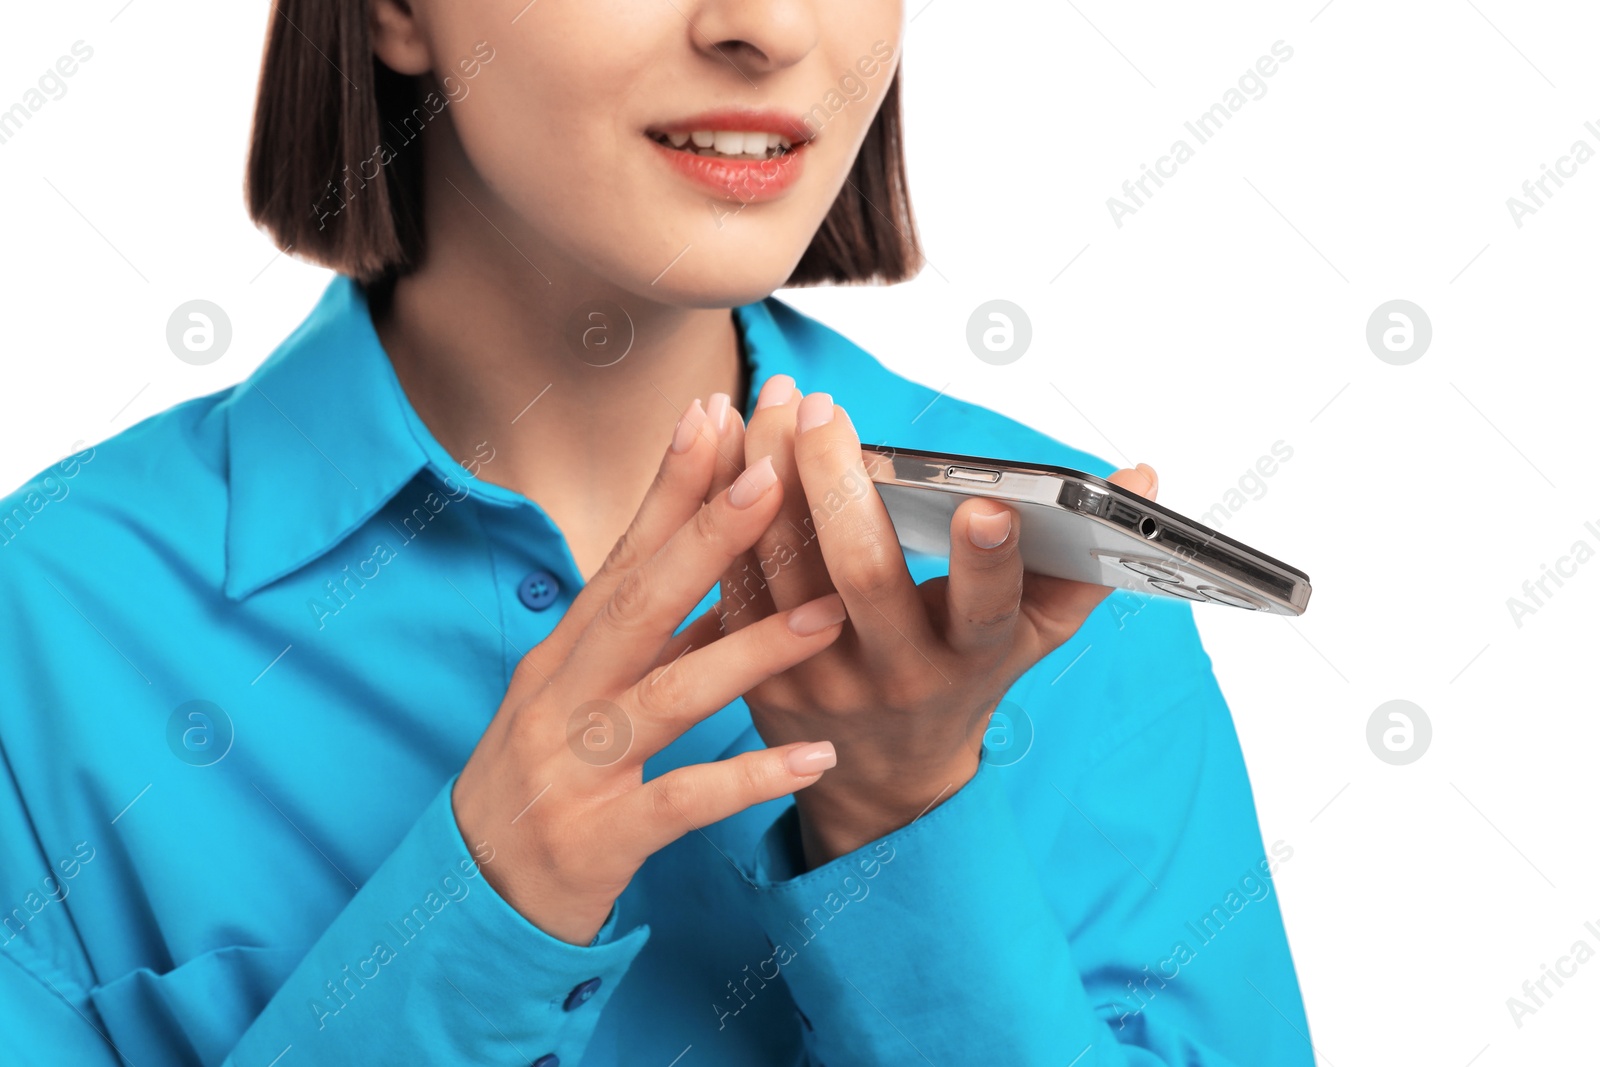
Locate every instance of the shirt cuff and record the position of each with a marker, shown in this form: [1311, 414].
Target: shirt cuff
[953, 900]
[428, 959]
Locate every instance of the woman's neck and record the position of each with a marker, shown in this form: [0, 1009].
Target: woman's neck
[571, 386]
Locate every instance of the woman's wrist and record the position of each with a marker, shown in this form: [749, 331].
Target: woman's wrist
[533, 893]
[852, 814]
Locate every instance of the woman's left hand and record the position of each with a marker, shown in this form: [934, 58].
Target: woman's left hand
[906, 691]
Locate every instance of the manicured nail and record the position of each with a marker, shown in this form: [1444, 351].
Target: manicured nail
[815, 409]
[753, 484]
[717, 411]
[1155, 483]
[688, 427]
[848, 421]
[777, 390]
[989, 531]
[811, 759]
[816, 615]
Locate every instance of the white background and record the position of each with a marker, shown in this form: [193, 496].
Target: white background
[1227, 314]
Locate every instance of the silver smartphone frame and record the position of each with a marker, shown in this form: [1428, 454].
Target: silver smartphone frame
[1129, 542]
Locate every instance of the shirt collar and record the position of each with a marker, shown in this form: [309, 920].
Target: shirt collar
[322, 436]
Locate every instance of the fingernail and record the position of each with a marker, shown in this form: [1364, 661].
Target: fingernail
[753, 484]
[989, 531]
[688, 427]
[815, 409]
[1155, 483]
[717, 411]
[817, 615]
[777, 390]
[811, 759]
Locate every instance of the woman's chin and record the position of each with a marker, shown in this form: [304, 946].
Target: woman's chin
[717, 278]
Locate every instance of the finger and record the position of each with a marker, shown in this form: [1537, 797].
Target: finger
[863, 556]
[677, 492]
[787, 558]
[984, 590]
[673, 697]
[628, 633]
[743, 592]
[698, 634]
[723, 419]
[1058, 606]
[660, 811]
[1140, 479]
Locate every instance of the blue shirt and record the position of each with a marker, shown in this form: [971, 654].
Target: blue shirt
[249, 643]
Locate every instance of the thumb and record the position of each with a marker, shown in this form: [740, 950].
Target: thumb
[1140, 479]
[1062, 605]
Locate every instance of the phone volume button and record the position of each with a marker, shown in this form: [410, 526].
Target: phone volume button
[972, 474]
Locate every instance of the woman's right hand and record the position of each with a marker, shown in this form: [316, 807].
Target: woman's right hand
[555, 786]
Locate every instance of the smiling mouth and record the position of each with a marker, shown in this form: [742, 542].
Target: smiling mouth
[750, 145]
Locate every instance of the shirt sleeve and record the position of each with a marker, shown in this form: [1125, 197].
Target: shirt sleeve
[470, 982]
[1105, 900]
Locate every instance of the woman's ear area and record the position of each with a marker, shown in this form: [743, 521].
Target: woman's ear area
[397, 37]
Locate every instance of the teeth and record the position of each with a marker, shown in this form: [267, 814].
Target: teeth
[731, 144]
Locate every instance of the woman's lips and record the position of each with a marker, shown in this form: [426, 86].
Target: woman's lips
[733, 178]
[741, 154]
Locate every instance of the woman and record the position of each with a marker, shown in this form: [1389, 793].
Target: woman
[354, 716]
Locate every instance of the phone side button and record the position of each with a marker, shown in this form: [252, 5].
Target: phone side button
[972, 474]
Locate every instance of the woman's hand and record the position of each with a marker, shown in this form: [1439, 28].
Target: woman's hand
[906, 693]
[555, 785]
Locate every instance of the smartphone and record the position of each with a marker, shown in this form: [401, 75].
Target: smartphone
[1076, 525]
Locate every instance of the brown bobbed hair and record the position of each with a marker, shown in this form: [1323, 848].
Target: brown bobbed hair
[326, 108]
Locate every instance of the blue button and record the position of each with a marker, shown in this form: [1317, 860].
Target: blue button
[551, 1060]
[581, 993]
[538, 590]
